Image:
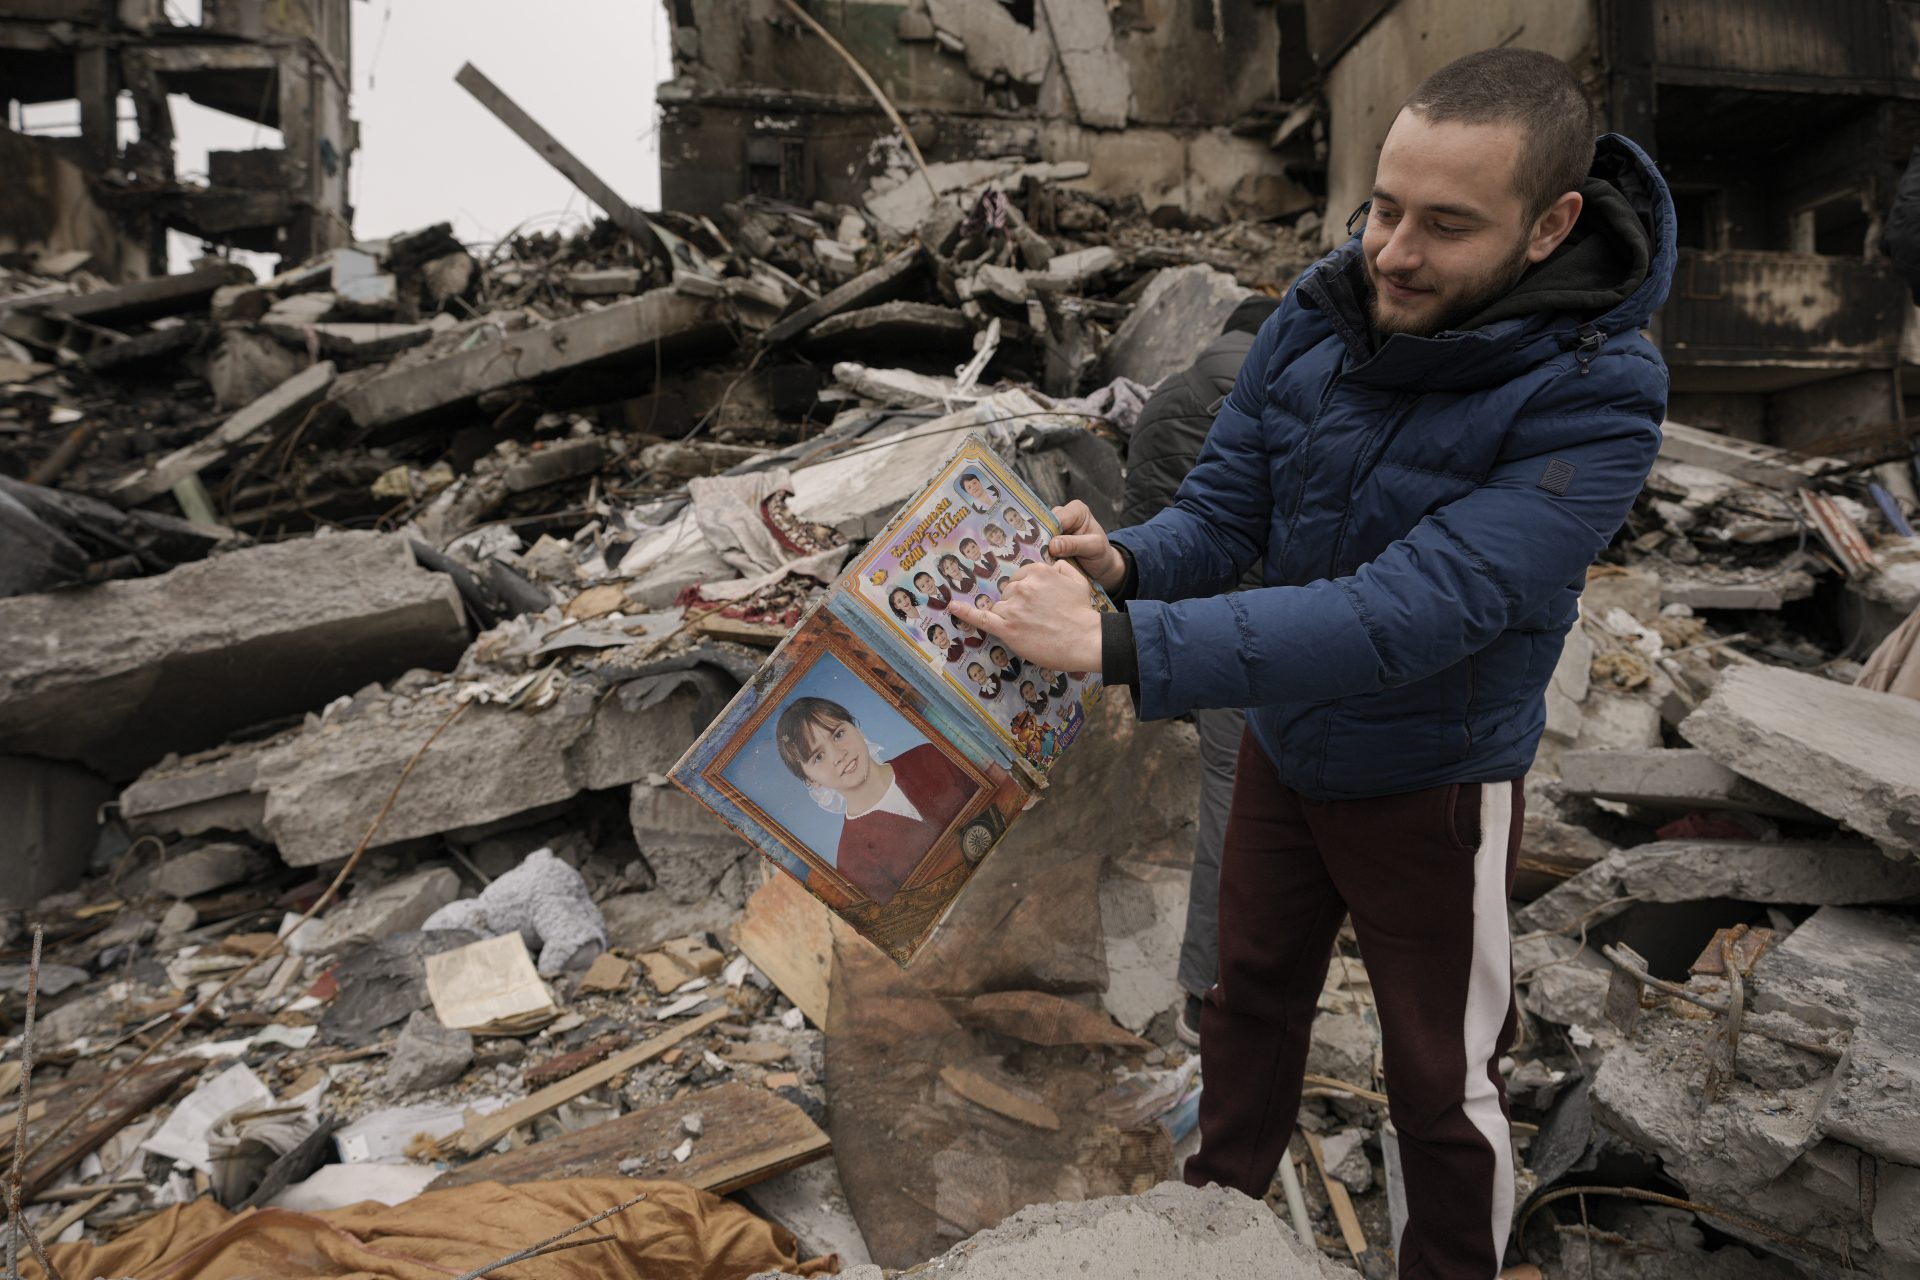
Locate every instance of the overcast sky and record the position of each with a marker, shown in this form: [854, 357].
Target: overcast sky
[429, 152]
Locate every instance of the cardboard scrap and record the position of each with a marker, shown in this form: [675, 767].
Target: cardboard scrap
[679, 962]
[758, 1052]
[489, 988]
[608, 973]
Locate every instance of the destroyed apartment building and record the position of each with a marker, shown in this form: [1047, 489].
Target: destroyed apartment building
[355, 615]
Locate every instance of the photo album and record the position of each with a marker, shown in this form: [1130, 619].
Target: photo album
[885, 747]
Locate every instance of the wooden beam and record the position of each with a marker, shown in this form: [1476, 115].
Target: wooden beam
[748, 1134]
[1337, 1196]
[483, 1131]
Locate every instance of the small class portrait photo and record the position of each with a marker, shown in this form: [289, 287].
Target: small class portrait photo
[863, 791]
[904, 604]
[953, 571]
[985, 683]
[1024, 531]
[980, 492]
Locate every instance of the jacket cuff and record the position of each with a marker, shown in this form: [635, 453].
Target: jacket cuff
[1119, 660]
[1130, 583]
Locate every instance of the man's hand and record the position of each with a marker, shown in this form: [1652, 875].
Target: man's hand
[1084, 542]
[1046, 616]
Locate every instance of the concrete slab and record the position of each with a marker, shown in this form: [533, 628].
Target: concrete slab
[145, 300]
[117, 675]
[887, 281]
[625, 328]
[1681, 779]
[1180, 312]
[1099, 76]
[1172, 1230]
[1855, 969]
[1852, 754]
[1783, 873]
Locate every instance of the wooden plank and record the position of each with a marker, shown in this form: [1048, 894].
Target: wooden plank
[1040, 1018]
[1337, 1196]
[138, 1093]
[788, 934]
[748, 1135]
[483, 1131]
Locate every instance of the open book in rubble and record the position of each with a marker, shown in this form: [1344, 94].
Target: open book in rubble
[885, 748]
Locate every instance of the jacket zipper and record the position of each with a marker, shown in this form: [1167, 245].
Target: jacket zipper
[1466, 718]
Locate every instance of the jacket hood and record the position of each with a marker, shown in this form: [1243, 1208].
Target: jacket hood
[1608, 277]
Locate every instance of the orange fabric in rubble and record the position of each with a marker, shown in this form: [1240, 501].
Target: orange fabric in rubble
[676, 1233]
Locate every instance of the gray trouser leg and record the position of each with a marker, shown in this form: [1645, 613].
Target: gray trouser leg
[1220, 732]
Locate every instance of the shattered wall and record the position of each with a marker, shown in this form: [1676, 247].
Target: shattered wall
[759, 106]
[282, 66]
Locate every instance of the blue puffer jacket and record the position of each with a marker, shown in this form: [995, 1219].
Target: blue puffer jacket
[1426, 511]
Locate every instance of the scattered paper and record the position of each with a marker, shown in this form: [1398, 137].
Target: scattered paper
[335, 1186]
[385, 1135]
[489, 988]
[681, 1152]
[184, 1136]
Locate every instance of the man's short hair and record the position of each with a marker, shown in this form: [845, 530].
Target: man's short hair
[1532, 90]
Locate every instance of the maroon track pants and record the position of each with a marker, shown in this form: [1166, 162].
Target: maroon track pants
[1425, 876]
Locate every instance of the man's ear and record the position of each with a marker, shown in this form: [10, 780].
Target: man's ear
[1552, 226]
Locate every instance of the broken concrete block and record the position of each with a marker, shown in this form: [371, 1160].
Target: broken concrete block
[1143, 912]
[1896, 1212]
[239, 303]
[1567, 689]
[1850, 753]
[121, 673]
[660, 324]
[543, 900]
[1172, 1230]
[490, 764]
[1565, 982]
[1650, 1090]
[303, 309]
[561, 460]
[1342, 1047]
[639, 922]
[1680, 779]
[1783, 873]
[400, 906]
[603, 283]
[1742, 459]
[899, 388]
[1181, 311]
[1082, 265]
[246, 365]
[281, 406]
[145, 300]
[1854, 969]
[1100, 77]
[887, 281]
[202, 870]
[693, 858]
[1769, 591]
[427, 1055]
[893, 327]
[354, 340]
[1346, 1159]
[1618, 722]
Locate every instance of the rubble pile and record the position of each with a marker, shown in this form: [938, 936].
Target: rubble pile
[356, 616]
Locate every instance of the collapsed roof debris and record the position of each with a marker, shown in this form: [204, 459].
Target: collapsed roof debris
[358, 613]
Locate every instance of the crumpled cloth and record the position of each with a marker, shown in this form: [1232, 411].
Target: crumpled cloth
[727, 511]
[1894, 666]
[1119, 402]
[677, 1233]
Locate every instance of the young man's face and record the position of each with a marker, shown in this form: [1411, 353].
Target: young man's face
[1448, 233]
[836, 756]
[924, 582]
[969, 548]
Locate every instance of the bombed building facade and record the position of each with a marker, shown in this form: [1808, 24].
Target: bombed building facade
[356, 614]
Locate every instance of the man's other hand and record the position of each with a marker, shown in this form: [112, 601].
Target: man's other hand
[1083, 541]
[1046, 616]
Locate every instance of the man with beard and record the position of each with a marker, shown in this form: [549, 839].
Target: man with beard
[1430, 441]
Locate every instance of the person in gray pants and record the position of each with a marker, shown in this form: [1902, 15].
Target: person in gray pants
[1166, 440]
